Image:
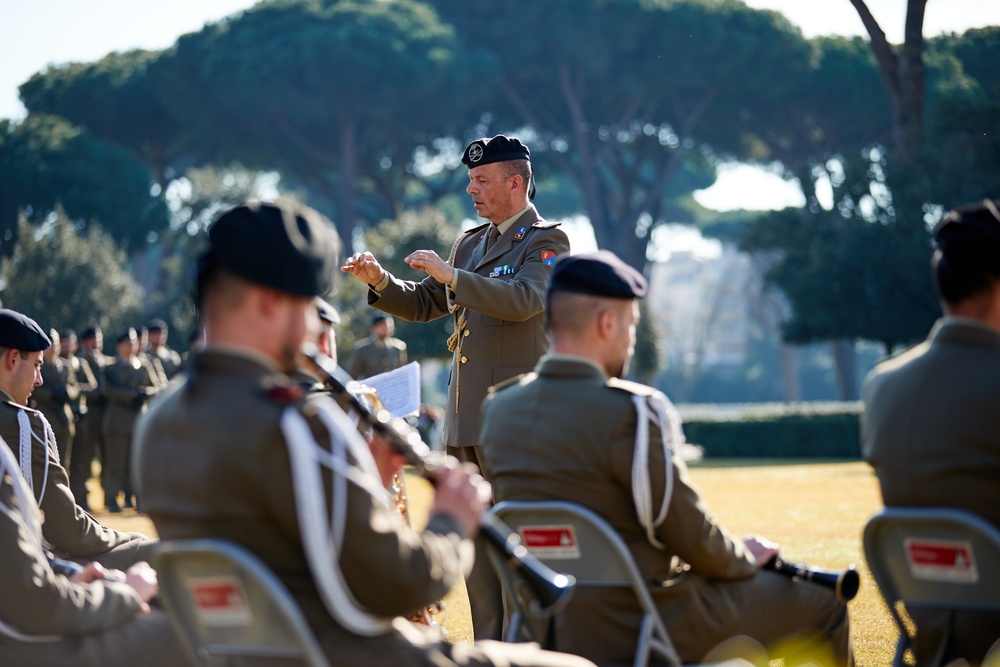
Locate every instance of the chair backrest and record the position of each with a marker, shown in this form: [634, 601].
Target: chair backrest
[572, 539]
[225, 603]
[933, 558]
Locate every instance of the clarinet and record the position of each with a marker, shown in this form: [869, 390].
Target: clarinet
[551, 590]
[845, 584]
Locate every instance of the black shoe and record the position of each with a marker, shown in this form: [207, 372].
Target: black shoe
[113, 507]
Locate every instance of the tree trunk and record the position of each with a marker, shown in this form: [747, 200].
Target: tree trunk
[844, 365]
[791, 388]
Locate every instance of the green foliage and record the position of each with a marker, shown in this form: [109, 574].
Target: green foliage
[120, 98]
[802, 434]
[62, 278]
[45, 162]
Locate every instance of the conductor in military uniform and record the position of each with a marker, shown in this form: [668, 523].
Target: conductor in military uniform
[930, 427]
[493, 287]
[236, 451]
[69, 531]
[381, 352]
[574, 431]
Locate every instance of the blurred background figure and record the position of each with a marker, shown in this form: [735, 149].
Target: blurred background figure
[82, 455]
[380, 352]
[55, 396]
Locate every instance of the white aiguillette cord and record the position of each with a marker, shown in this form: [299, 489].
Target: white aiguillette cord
[323, 533]
[25, 436]
[26, 509]
[647, 408]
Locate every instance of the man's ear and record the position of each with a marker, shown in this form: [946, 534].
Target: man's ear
[606, 322]
[10, 358]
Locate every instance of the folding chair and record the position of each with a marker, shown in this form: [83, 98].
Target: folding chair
[573, 540]
[225, 604]
[932, 558]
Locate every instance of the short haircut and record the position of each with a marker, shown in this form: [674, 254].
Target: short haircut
[966, 263]
[570, 313]
[518, 167]
[4, 350]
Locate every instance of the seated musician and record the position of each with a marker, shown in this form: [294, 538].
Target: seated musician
[574, 431]
[236, 451]
[94, 617]
[931, 428]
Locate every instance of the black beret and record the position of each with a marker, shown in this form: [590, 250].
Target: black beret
[327, 313]
[290, 248]
[381, 317]
[89, 332]
[67, 333]
[970, 235]
[497, 149]
[156, 325]
[20, 332]
[598, 274]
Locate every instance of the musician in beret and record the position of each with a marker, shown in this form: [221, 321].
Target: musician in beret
[69, 531]
[573, 430]
[493, 287]
[930, 426]
[236, 450]
[50, 617]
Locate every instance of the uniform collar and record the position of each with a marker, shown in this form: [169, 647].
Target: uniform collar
[570, 365]
[966, 331]
[509, 222]
[220, 350]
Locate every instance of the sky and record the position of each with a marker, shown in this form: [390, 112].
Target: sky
[37, 33]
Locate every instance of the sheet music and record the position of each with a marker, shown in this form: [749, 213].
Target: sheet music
[398, 389]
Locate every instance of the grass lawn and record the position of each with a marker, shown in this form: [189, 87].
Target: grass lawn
[815, 511]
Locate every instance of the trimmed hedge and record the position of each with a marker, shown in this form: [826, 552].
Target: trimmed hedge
[782, 432]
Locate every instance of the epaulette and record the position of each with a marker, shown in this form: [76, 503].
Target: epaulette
[474, 230]
[500, 386]
[545, 224]
[636, 388]
[282, 390]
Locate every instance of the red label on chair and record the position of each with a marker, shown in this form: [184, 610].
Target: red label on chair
[550, 541]
[220, 601]
[941, 560]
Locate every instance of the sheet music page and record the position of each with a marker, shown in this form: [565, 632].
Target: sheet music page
[398, 389]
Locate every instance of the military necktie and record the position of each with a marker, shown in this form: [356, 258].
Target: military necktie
[493, 236]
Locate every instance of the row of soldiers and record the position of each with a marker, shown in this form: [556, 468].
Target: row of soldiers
[92, 400]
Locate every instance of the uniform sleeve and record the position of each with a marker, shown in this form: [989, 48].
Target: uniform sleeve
[36, 601]
[116, 388]
[71, 530]
[521, 297]
[85, 378]
[391, 570]
[412, 301]
[689, 530]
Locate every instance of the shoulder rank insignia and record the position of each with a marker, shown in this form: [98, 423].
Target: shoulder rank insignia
[548, 258]
[521, 231]
[283, 393]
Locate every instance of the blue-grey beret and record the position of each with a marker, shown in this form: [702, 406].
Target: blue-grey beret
[20, 332]
[290, 248]
[326, 311]
[599, 273]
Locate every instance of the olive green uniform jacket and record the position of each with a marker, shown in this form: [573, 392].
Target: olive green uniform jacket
[70, 531]
[497, 311]
[68, 624]
[54, 399]
[371, 357]
[931, 431]
[568, 432]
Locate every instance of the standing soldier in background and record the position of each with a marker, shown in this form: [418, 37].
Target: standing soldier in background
[145, 355]
[129, 384]
[158, 349]
[59, 389]
[83, 452]
[380, 352]
[90, 428]
[493, 287]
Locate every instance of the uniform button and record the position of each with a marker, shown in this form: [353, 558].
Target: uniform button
[464, 358]
[466, 333]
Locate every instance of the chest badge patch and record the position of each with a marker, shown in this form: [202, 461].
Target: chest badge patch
[500, 271]
[548, 258]
[521, 231]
